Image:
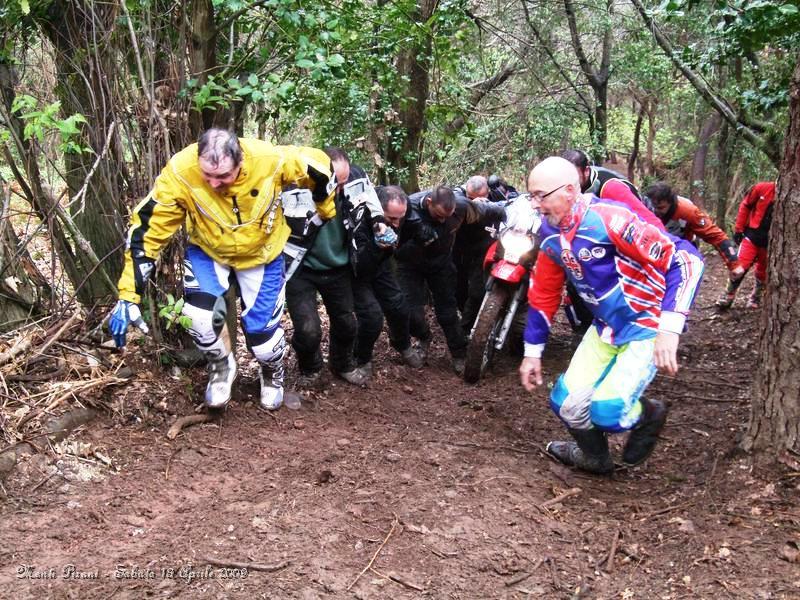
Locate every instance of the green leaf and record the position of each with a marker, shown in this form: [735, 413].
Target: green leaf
[788, 9]
[304, 63]
[179, 305]
[253, 79]
[171, 299]
[336, 60]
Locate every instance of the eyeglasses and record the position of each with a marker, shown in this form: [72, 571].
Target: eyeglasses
[540, 196]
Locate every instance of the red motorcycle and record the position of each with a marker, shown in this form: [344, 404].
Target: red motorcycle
[508, 261]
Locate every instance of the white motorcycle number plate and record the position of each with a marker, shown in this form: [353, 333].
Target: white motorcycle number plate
[505, 271]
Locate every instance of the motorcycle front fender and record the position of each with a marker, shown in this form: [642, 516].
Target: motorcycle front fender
[508, 272]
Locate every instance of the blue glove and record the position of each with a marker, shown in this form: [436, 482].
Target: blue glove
[124, 314]
[387, 239]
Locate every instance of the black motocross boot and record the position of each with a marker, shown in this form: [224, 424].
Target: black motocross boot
[642, 439]
[589, 451]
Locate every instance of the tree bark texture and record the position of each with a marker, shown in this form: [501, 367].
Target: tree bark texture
[775, 410]
[81, 34]
[637, 135]
[414, 63]
[697, 186]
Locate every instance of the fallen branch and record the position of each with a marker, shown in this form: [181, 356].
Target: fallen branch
[84, 387]
[570, 492]
[243, 565]
[187, 421]
[395, 523]
[664, 510]
[396, 578]
[20, 346]
[52, 339]
[609, 560]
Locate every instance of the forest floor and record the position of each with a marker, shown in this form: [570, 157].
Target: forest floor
[424, 485]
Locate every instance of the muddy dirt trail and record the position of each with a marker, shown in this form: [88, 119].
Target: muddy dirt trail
[418, 486]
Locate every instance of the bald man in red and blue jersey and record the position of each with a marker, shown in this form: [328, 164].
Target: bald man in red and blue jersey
[639, 282]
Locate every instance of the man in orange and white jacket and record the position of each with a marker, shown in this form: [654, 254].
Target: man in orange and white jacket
[685, 220]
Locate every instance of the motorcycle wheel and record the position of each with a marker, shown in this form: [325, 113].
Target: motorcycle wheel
[481, 347]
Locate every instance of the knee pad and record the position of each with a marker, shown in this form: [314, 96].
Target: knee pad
[269, 349]
[209, 329]
[573, 408]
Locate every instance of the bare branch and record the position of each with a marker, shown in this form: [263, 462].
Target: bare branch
[717, 102]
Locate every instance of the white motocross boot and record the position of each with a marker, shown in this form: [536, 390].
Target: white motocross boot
[221, 373]
[272, 385]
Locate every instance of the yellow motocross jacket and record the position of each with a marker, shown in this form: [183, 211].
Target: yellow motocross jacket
[242, 228]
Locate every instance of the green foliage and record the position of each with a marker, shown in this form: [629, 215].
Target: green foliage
[39, 122]
[172, 312]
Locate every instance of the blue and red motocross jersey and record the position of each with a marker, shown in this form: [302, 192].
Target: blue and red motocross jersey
[634, 278]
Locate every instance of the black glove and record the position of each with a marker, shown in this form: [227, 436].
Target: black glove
[728, 250]
[738, 237]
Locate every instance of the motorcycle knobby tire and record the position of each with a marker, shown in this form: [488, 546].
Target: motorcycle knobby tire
[481, 346]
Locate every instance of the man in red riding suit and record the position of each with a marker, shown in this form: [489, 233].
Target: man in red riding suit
[752, 234]
[683, 219]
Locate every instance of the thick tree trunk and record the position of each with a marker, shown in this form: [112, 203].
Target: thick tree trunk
[414, 64]
[775, 410]
[697, 187]
[203, 59]
[83, 70]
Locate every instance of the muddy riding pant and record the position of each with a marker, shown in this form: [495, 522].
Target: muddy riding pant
[261, 291]
[603, 383]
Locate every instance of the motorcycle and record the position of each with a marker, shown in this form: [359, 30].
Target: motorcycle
[509, 261]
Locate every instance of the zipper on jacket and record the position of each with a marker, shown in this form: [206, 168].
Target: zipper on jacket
[236, 210]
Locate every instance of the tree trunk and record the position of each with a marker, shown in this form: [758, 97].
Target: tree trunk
[40, 199]
[202, 59]
[414, 64]
[649, 161]
[637, 134]
[697, 187]
[22, 287]
[596, 77]
[724, 155]
[84, 69]
[775, 409]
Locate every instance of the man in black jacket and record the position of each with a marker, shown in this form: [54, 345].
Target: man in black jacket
[326, 271]
[425, 262]
[375, 289]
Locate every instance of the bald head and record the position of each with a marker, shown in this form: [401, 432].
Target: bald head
[554, 185]
[551, 173]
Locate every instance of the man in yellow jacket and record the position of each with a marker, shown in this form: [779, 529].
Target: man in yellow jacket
[227, 192]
